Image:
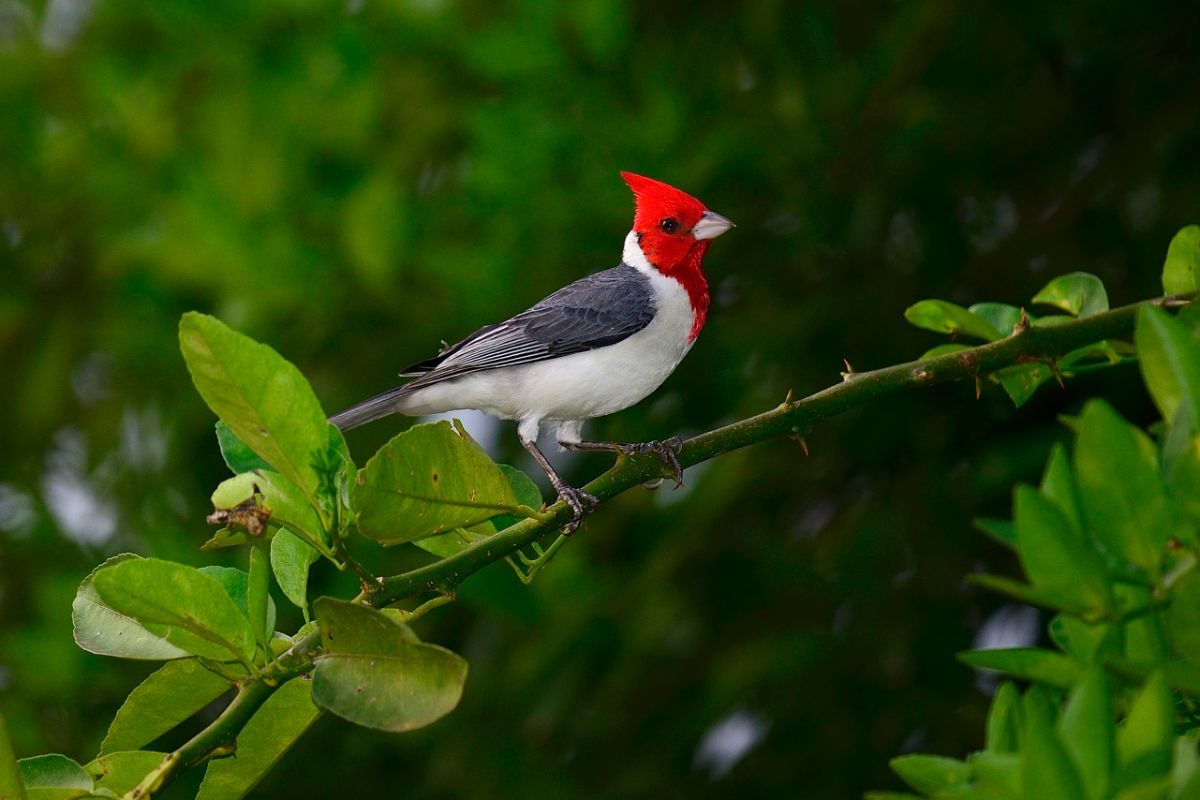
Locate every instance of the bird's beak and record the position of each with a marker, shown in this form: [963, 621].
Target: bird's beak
[710, 226]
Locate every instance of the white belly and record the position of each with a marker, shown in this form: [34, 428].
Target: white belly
[579, 386]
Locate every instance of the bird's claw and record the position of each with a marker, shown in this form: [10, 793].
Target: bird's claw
[581, 503]
[667, 451]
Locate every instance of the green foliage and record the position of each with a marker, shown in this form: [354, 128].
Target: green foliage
[1181, 272]
[170, 695]
[55, 777]
[122, 771]
[372, 674]
[11, 785]
[1108, 544]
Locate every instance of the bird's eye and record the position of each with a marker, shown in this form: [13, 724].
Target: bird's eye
[669, 226]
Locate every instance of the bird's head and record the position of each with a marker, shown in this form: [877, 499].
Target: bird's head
[673, 228]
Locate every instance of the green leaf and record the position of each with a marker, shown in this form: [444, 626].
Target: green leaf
[55, 771]
[172, 694]
[1004, 720]
[268, 497]
[996, 776]
[262, 397]
[940, 316]
[1146, 739]
[189, 609]
[1030, 663]
[11, 785]
[1021, 381]
[1056, 557]
[1124, 500]
[105, 631]
[1170, 362]
[447, 544]
[372, 675]
[259, 606]
[1048, 769]
[1083, 640]
[1001, 531]
[1058, 484]
[1025, 593]
[944, 349]
[527, 494]
[1001, 316]
[930, 774]
[236, 584]
[122, 771]
[238, 457]
[270, 733]
[1183, 260]
[428, 480]
[290, 559]
[1080, 294]
[1088, 731]
[1182, 617]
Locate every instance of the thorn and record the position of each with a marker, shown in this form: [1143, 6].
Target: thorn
[1023, 323]
[787, 401]
[978, 387]
[849, 370]
[804, 445]
[1050, 362]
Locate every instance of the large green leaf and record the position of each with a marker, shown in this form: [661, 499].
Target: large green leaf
[122, 771]
[1124, 500]
[1088, 731]
[55, 772]
[930, 774]
[372, 674]
[1056, 557]
[291, 557]
[269, 734]
[1146, 739]
[105, 631]
[238, 585]
[447, 544]
[1078, 293]
[941, 316]
[428, 480]
[1058, 484]
[189, 609]
[1181, 271]
[166, 698]
[1030, 663]
[11, 785]
[1170, 362]
[262, 397]
[1048, 769]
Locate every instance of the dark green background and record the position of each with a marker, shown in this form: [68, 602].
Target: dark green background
[353, 181]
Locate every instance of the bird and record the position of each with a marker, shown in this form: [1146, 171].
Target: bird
[595, 347]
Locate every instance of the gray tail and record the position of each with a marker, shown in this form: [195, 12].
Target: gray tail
[369, 410]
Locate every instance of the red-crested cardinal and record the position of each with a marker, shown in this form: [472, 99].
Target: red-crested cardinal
[594, 347]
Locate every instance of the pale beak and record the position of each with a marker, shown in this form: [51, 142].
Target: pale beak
[710, 226]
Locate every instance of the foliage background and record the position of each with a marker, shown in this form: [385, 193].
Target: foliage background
[352, 182]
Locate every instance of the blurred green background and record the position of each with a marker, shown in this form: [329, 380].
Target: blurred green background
[352, 182]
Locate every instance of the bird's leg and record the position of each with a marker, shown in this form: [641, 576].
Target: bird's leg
[667, 451]
[581, 502]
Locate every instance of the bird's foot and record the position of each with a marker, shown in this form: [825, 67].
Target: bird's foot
[582, 503]
[667, 451]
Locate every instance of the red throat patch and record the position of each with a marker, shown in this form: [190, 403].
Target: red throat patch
[663, 221]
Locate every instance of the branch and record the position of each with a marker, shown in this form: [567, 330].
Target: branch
[789, 418]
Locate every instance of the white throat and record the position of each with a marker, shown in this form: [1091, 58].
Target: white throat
[634, 257]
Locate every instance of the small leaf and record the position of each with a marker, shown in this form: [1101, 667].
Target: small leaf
[236, 584]
[1056, 557]
[1123, 498]
[1146, 739]
[1025, 593]
[270, 733]
[371, 675]
[172, 694]
[189, 609]
[1001, 531]
[290, 559]
[103, 630]
[1004, 720]
[930, 774]
[1021, 381]
[1183, 617]
[940, 316]
[11, 785]
[944, 349]
[238, 457]
[1170, 362]
[122, 771]
[1030, 663]
[1048, 769]
[1088, 731]
[259, 606]
[262, 397]
[1058, 485]
[55, 771]
[428, 480]
[1080, 294]
[1180, 271]
[1000, 316]
[527, 494]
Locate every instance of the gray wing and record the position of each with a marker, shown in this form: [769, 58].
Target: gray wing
[596, 311]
